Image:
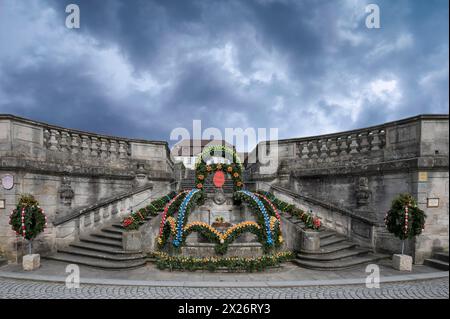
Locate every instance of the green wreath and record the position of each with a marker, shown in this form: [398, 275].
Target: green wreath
[405, 220]
[28, 219]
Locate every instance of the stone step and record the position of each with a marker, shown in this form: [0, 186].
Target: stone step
[332, 240]
[118, 225]
[99, 255]
[101, 241]
[441, 256]
[106, 235]
[113, 230]
[435, 263]
[326, 234]
[97, 263]
[101, 248]
[341, 263]
[341, 254]
[333, 248]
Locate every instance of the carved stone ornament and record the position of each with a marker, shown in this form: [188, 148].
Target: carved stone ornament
[66, 193]
[362, 191]
[219, 196]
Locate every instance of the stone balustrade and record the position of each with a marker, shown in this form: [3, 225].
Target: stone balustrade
[85, 144]
[399, 140]
[47, 147]
[338, 146]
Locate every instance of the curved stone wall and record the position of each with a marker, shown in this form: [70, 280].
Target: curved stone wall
[67, 170]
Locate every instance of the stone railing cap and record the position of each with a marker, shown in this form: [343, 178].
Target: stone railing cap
[79, 132]
[364, 129]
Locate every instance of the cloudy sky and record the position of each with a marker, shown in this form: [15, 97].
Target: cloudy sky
[141, 68]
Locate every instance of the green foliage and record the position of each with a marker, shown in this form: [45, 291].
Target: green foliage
[310, 221]
[405, 220]
[165, 261]
[136, 219]
[34, 220]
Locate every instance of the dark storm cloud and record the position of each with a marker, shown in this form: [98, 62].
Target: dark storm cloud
[141, 68]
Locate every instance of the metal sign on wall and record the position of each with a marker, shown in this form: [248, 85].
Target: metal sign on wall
[7, 182]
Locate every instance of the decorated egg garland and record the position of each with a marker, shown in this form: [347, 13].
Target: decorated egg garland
[405, 219]
[28, 219]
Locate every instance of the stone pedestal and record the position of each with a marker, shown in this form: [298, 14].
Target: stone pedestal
[310, 240]
[402, 262]
[132, 240]
[31, 262]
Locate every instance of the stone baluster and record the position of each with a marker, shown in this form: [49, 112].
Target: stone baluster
[364, 142]
[333, 147]
[46, 138]
[314, 151]
[75, 145]
[53, 141]
[113, 149]
[354, 144]
[382, 135]
[305, 150]
[94, 146]
[342, 142]
[103, 148]
[85, 145]
[122, 150]
[65, 142]
[375, 143]
[323, 149]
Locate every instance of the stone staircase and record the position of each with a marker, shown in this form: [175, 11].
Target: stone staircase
[101, 249]
[438, 261]
[189, 182]
[336, 251]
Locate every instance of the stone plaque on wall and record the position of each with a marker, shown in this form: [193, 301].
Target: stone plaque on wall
[7, 182]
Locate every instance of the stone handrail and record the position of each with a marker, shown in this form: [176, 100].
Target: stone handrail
[329, 206]
[108, 203]
[342, 220]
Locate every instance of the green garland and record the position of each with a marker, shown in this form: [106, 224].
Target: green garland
[310, 221]
[28, 219]
[165, 261]
[405, 220]
[136, 219]
[223, 150]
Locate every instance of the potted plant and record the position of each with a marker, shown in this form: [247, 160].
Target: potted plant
[131, 237]
[28, 220]
[405, 220]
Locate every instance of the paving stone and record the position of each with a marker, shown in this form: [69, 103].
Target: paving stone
[427, 289]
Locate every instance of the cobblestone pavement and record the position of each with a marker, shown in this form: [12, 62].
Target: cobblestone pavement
[436, 288]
